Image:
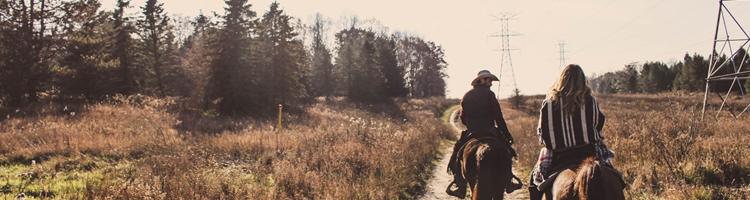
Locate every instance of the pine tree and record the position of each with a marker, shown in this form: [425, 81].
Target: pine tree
[85, 50]
[174, 80]
[627, 79]
[655, 77]
[231, 83]
[282, 68]
[153, 29]
[692, 74]
[123, 45]
[27, 28]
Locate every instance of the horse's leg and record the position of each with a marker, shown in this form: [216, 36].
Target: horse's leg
[469, 166]
[613, 183]
[590, 183]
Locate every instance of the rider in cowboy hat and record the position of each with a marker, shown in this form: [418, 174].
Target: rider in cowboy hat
[483, 117]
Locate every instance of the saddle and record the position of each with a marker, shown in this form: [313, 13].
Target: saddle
[569, 159]
[462, 144]
[466, 136]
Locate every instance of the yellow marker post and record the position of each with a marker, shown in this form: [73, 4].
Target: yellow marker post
[281, 109]
[278, 127]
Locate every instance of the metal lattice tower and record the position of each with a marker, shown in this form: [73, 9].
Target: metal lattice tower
[562, 54]
[727, 62]
[506, 61]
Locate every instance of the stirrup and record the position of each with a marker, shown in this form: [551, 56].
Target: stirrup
[515, 184]
[457, 192]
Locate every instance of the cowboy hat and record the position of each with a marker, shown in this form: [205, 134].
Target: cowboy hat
[486, 74]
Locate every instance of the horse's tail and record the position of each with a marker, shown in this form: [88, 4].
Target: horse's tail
[493, 172]
[590, 182]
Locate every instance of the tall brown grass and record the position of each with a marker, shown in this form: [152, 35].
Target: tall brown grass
[661, 146]
[336, 150]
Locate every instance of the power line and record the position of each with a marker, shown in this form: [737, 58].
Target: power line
[505, 48]
[562, 54]
[717, 68]
[607, 38]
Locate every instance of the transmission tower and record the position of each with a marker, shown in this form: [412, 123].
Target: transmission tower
[506, 60]
[562, 54]
[727, 63]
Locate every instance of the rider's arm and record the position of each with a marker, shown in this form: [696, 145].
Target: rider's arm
[498, 114]
[600, 121]
[543, 122]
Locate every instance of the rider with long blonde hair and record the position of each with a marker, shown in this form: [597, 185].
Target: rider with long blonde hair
[570, 128]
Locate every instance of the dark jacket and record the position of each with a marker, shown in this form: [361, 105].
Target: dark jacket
[481, 112]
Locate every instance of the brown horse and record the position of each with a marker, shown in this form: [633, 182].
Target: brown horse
[486, 166]
[590, 181]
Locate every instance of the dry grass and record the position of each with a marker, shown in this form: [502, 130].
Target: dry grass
[140, 148]
[661, 146]
[129, 149]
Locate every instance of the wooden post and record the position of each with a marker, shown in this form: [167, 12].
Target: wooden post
[278, 125]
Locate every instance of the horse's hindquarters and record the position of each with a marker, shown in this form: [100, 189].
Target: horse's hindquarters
[564, 186]
[590, 180]
[487, 168]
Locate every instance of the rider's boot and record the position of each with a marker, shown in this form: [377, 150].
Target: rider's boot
[460, 185]
[515, 184]
[534, 194]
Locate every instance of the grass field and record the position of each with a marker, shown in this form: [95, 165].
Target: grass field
[661, 146]
[143, 149]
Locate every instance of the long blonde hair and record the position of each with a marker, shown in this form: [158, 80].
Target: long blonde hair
[571, 87]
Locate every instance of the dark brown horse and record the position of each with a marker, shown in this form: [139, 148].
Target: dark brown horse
[486, 166]
[590, 181]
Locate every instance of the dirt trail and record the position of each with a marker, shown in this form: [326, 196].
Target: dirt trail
[440, 178]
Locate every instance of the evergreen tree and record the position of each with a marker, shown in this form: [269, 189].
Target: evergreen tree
[627, 80]
[27, 28]
[728, 67]
[282, 70]
[85, 50]
[231, 83]
[655, 77]
[174, 80]
[123, 45]
[153, 30]
[692, 74]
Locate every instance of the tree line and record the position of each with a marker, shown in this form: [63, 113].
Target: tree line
[688, 75]
[237, 63]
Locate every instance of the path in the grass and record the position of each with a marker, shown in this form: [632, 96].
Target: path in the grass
[440, 178]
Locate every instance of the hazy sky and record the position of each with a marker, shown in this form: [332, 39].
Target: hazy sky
[601, 35]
